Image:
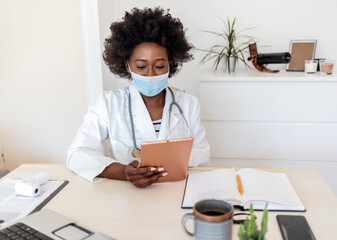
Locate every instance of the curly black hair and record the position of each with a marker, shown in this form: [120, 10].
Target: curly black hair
[146, 25]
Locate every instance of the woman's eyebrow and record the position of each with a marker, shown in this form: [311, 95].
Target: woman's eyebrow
[142, 60]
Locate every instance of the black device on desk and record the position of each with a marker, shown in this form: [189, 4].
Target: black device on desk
[294, 227]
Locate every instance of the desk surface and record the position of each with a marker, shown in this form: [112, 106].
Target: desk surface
[123, 211]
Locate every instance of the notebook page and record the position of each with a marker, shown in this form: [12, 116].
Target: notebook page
[275, 188]
[219, 184]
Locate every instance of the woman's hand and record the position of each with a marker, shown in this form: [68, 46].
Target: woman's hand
[142, 176]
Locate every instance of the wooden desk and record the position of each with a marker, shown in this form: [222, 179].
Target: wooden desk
[123, 211]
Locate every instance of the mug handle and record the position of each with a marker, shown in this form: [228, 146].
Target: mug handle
[186, 217]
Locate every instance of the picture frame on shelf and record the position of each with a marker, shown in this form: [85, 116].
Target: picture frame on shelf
[300, 50]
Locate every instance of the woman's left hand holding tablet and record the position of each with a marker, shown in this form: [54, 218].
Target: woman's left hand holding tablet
[142, 176]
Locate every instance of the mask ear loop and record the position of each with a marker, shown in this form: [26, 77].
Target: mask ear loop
[180, 110]
[129, 68]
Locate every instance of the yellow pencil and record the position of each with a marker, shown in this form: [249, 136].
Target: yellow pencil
[240, 188]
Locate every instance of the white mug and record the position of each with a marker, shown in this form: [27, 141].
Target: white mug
[212, 220]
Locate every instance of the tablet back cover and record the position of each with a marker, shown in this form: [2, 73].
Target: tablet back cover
[173, 155]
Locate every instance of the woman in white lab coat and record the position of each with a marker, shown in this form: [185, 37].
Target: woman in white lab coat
[148, 46]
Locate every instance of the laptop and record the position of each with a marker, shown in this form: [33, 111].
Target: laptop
[48, 225]
[173, 155]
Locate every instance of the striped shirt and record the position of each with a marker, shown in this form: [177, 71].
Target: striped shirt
[156, 125]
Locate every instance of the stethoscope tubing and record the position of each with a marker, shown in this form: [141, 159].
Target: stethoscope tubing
[132, 125]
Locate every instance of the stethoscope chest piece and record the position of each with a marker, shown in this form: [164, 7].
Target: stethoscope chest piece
[135, 153]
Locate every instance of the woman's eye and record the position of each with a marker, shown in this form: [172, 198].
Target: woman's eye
[140, 67]
[160, 67]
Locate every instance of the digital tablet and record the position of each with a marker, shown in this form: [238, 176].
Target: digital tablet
[173, 155]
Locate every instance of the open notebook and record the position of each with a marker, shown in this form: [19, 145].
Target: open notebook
[259, 187]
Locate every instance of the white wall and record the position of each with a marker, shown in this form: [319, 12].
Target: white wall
[276, 22]
[42, 82]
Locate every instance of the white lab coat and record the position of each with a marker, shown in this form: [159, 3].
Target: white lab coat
[108, 118]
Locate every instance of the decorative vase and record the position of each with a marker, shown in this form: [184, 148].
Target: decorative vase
[229, 63]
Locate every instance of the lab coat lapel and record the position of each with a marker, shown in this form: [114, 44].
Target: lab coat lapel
[164, 128]
[141, 117]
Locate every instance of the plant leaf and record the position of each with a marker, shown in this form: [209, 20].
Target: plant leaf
[232, 45]
[212, 32]
[264, 222]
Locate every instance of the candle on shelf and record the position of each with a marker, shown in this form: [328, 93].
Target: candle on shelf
[310, 66]
[326, 66]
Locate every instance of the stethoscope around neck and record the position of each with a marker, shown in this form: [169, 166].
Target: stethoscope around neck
[136, 151]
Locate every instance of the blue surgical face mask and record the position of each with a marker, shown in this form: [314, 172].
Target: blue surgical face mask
[149, 85]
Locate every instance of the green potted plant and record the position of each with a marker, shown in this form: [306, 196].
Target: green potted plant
[249, 230]
[231, 50]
